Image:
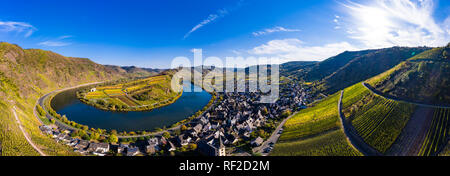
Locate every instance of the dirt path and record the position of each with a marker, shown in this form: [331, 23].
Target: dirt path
[412, 136]
[26, 134]
[352, 136]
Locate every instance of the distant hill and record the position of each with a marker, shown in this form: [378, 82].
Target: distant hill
[424, 77]
[295, 68]
[333, 64]
[136, 71]
[366, 66]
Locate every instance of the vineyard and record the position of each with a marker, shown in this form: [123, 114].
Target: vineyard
[315, 131]
[319, 118]
[353, 94]
[136, 95]
[377, 120]
[437, 136]
[331, 143]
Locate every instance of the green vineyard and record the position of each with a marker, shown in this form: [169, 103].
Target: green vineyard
[379, 121]
[315, 131]
[321, 117]
[331, 143]
[437, 135]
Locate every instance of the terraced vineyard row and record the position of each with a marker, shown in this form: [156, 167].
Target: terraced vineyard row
[353, 94]
[315, 131]
[380, 121]
[331, 143]
[127, 101]
[437, 135]
[321, 117]
[370, 120]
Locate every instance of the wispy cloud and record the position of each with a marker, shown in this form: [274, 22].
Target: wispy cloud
[294, 49]
[213, 17]
[57, 42]
[337, 21]
[274, 29]
[19, 27]
[387, 23]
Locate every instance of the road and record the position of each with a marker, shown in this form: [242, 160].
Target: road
[376, 92]
[27, 137]
[273, 138]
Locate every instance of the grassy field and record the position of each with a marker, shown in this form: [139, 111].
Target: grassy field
[315, 131]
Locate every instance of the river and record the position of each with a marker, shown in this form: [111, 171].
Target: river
[66, 103]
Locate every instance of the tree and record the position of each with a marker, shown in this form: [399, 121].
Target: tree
[285, 114]
[183, 128]
[85, 127]
[265, 111]
[113, 138]
[40, 110]
[114, 132]
[192, 146]
[94, 136]
[166, 135]
[52, 121]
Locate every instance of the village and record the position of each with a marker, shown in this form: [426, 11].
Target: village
[234, 125]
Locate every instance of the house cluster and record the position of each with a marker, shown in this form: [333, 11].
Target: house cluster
[236, 117]
[81, 146]
[85, 147]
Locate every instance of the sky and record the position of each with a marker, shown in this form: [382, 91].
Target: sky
[151, 33]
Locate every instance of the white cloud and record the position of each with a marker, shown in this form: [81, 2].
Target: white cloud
[294, 49]
[213, 17]
[57, 42]
[337, 22]
[386, 23]
[274, 29]
[19, 27]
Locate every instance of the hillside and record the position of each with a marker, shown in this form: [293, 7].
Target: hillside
[424, 78]
[366, 66]
[333, 64]
[27, 74]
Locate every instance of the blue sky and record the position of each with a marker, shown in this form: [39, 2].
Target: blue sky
[151, 33]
